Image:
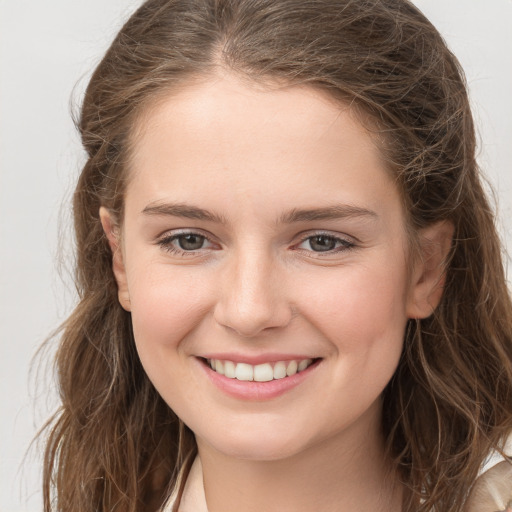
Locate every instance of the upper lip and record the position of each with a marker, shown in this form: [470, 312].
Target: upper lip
[257, 359]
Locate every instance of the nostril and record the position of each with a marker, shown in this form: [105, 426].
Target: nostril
[251, 320]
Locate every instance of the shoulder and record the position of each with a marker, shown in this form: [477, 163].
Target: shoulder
[492, 491]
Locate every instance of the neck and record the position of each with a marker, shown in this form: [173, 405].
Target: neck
[348, 472]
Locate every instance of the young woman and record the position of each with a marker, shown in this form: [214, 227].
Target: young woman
[291, 289]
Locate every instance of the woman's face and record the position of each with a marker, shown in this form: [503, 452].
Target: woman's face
[262, 230]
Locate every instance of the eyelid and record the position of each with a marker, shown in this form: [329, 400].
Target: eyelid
[349, 242]
[167, 237]
[308, 233]
[168, 233]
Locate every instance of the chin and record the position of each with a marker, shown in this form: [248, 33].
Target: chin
[259, 452]
[258, 446]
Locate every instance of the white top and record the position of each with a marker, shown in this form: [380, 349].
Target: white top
[492, 492]
[193, 498]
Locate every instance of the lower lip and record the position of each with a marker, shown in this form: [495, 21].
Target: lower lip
[257, 391]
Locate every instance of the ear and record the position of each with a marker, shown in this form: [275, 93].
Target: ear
[429, 269]
[112, 232]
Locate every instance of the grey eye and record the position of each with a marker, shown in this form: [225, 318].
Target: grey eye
[322, 243]
[190, 242]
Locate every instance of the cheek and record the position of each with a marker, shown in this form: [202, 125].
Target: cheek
[363, 317]
[364, 304]
[166, 303]
[364, 322]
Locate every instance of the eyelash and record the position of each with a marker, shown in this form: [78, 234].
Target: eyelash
[166, 243]
[344, 244]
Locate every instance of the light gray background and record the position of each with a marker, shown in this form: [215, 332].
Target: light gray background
[47, 50]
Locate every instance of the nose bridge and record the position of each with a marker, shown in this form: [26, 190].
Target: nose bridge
[253, 296]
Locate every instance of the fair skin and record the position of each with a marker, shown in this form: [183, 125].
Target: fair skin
[262, 229]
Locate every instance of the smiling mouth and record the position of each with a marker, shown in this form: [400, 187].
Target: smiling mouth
[265, 372]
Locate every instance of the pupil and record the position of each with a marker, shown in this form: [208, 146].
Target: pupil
[191, 242]
[322, 243]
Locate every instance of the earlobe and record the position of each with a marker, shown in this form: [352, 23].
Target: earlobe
[429, 270]
[112, 233]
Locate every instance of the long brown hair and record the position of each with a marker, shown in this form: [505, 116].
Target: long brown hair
[114, 445]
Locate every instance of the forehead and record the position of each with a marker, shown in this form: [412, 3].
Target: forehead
[225, 137]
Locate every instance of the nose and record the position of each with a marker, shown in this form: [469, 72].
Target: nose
[252, 296]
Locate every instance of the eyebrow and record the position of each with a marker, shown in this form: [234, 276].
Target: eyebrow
[295, 215]
[183, 210]
[327, 213]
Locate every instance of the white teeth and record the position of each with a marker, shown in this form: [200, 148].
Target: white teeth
[261, 372]
[291, 369]
[304, 364]
[244, 371]
[279, 370]
[229, 369]
[219, 367]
